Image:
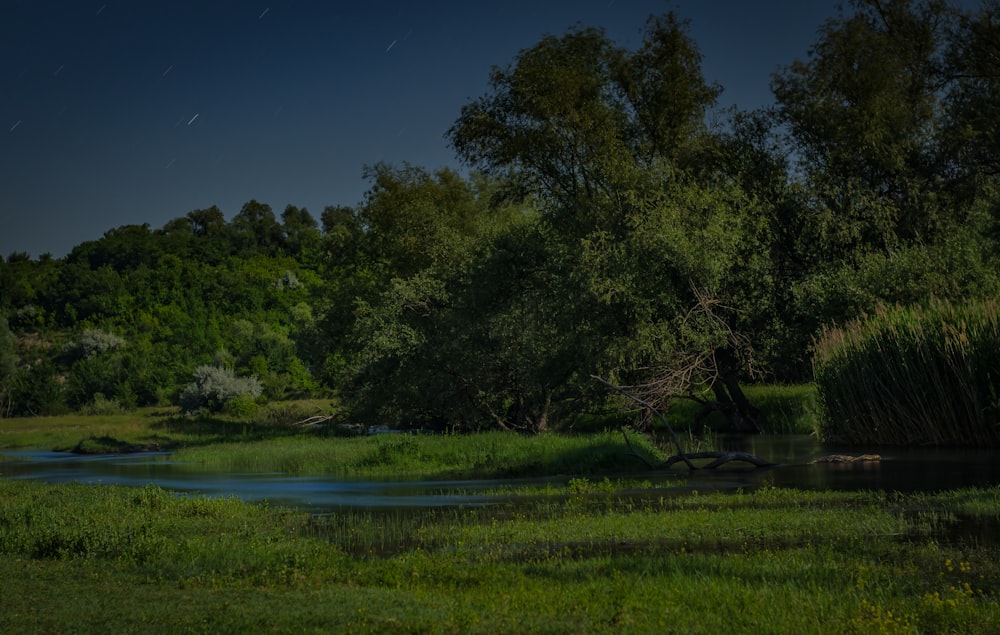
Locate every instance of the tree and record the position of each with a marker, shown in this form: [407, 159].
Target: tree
[863, 114]
[214, 387]
[879, 120]
[300, 233]
[8, 365]
[608, 143]
[386, 312]
[207, 222]
[256, 230]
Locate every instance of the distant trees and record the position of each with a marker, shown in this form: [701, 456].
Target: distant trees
[8, 366]
[889, 158]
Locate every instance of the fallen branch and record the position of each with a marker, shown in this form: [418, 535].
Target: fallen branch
[315, 420]
[845, 458]
[721, 458]
[677, 442]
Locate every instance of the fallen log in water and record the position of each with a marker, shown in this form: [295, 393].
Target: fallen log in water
[846, 458]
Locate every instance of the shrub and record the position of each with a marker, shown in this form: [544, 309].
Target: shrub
[101, 405]
[93, 342]
[213, 387]
[924, 375]
[242, 406]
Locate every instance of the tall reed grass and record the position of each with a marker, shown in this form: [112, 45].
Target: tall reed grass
[921, 375]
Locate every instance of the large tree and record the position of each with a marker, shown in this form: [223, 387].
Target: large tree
[609, 145]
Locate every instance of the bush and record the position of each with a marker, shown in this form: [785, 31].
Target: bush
[101, 405]
[243, 406]
[92, 342]
[214, 387]
[918, 376]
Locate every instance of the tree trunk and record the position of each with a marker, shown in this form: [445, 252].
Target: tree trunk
[742, 415]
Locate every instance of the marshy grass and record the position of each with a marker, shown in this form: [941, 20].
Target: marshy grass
[926, 375]
[164, 426]
[481, 455]
[98, 559]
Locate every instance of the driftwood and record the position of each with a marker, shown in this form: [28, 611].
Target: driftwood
[846, 458]
[719, 458]
[315, 420]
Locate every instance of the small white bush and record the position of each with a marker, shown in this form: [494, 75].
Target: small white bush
[213, 387]
[94, 341]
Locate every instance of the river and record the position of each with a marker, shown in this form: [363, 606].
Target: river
[901, 469]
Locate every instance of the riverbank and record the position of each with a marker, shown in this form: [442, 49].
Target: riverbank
[785, 409]
[585, 559]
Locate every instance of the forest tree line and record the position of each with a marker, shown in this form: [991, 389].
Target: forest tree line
[613, 223]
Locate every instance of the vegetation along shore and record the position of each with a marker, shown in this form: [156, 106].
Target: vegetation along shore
[621, 273]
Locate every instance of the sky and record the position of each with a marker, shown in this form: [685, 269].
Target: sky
[139, 111]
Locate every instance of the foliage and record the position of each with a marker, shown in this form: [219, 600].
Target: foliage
[608, 142]
[93, 342]
[214, 387]
[8, 364]
[580, 559]
[921, 375]
[102, 406]
[608, 203]
[36, 390]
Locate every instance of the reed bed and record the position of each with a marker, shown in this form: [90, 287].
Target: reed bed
[921, 375]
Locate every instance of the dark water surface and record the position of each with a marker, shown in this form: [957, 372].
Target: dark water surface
[901, 469]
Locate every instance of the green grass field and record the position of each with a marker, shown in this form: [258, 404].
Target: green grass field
[97, 559]
[596, 555]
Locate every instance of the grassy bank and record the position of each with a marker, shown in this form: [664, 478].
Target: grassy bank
[585, 560]
[481, 455]
[165, 426]
[786, 409]
[270, 444]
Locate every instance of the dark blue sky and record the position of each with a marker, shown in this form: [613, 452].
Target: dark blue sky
[138, 111]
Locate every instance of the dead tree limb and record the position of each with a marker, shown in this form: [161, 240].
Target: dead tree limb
[677, 442]
[720, 458]
[315, 420]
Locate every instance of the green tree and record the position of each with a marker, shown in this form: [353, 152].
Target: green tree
[8, 365]
[213, 388]
[300, 233]
[886, 153]
[256, 230]
[973, 111]
[864, 117]
[608, 143]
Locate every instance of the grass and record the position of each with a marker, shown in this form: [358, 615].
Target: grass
[922, 375]
[581, 559]
[165, 426]
[147, 425]
[786, 409]
[482, 455]
[272, 445]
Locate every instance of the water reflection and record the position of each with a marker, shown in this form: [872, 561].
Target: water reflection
[901, 469]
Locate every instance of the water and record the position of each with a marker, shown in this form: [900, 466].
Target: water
[901, 469]
[315, 493]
